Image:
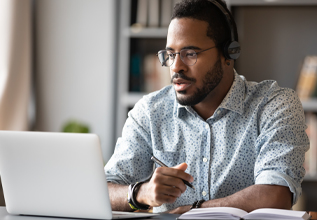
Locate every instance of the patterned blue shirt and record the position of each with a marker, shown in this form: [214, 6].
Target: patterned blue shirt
[256, 136]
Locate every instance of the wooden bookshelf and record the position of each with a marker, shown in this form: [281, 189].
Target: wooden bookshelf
[129, 36]
[271, 2]
[130, 98]
[145, 32]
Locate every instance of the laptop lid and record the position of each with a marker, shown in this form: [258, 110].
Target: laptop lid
[54, 174]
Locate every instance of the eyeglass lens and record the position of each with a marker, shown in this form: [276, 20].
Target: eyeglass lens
[188, 56]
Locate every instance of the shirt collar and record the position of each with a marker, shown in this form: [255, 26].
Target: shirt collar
[233, 100]
[178, 109]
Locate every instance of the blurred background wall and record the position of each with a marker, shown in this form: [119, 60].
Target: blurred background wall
[57, 64]
[15, 66]
[74, 66]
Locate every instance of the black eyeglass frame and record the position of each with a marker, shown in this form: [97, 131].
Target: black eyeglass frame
[163, 62]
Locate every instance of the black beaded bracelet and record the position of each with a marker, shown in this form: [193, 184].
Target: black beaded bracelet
[193, 205]
[198, 204]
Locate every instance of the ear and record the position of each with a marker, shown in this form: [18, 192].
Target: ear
[228, 62]
[227, 65]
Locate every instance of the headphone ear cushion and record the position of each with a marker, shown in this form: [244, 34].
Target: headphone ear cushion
[232, 50]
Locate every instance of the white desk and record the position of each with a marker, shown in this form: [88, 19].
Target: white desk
[4, 215]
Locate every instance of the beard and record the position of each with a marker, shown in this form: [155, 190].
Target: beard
[210, 82]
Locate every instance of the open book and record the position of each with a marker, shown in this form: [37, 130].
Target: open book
[235, 213]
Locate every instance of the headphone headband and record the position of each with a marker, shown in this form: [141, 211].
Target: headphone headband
[229, 21]
[231, 49]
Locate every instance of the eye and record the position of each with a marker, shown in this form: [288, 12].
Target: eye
[170, 55]
[190, 54]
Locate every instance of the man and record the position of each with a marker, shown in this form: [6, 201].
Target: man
[240, 144]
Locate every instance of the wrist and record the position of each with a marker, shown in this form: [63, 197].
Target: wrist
[132, 200]
[140, 196]
[197, 204]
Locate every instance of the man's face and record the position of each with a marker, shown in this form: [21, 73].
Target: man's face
[193, 84]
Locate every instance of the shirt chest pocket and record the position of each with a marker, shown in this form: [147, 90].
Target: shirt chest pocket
[170, 158]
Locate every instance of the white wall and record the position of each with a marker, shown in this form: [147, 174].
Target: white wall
[75, 66]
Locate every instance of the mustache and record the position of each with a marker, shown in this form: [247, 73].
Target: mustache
[181, 75]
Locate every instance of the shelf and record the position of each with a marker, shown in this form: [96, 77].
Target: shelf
[135, 32]
[310, 105]
[129, 99]
[310, 178]
[270, 2]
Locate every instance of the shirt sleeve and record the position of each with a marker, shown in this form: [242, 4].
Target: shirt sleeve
[282, 142]
[131, 161]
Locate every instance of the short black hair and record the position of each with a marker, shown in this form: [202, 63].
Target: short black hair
[218, 28]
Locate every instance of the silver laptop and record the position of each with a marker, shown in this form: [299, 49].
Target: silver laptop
[55, 174]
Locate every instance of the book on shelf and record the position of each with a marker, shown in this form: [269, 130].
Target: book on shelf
[142, 12]
[153, 13]
[135, 81]
[307, 81]
[166, 12]
[155, 75]
[310, 163]
[235, 213]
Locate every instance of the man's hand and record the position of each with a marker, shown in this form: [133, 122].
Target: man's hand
[165, 185]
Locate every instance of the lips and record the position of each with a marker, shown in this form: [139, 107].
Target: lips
[181, 84]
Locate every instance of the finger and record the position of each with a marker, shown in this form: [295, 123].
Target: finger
[176, 183]
[166, 194]
[162, 198]
[168, 190]
[182, 166]
[172, 171]
[159, 178]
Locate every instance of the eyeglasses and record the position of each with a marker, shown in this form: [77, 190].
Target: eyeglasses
[188, 56]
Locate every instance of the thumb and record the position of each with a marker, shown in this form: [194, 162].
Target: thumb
[182, 166]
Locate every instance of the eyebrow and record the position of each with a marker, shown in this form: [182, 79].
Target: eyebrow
[188, 47]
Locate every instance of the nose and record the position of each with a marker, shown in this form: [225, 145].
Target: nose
[178, 65]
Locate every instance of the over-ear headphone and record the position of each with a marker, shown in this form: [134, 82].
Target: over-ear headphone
[231, 48]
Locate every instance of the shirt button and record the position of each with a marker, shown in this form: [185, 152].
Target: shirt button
[204, 193]
[205, 159]
[207, 126]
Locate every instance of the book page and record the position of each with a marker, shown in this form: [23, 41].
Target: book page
[214, 213]
[276, 214]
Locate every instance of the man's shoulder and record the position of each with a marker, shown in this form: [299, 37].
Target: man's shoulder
[166, 94]
[269, 89]
[268, 96]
